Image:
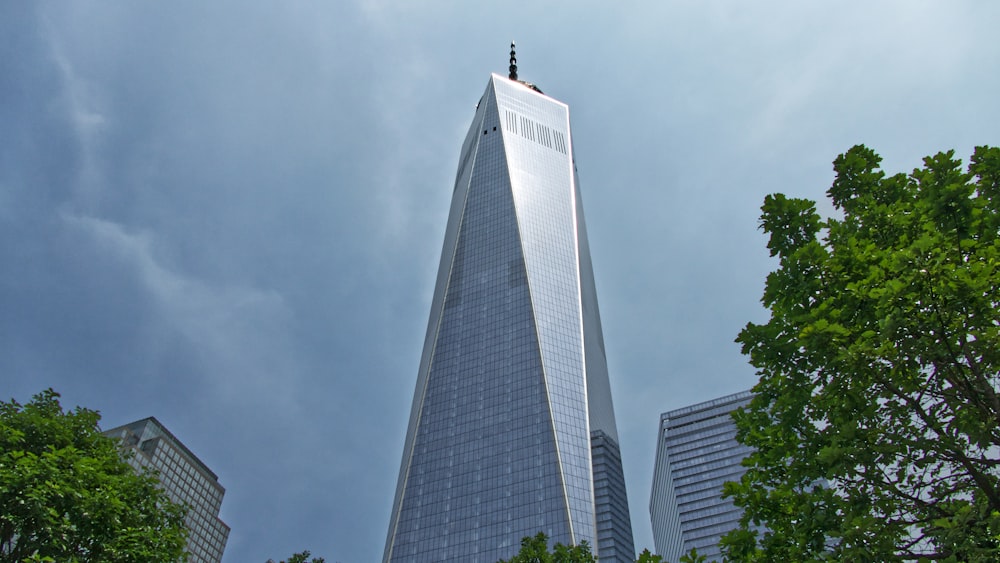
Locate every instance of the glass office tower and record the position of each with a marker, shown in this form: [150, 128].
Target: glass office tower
[512, 388]
[185, 479]
[696, 453]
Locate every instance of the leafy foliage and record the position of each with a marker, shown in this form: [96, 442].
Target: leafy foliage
[876, 420]
[67, 495]
[302, 557]
[690, 557]
[647, 557]
[693, 557]
[536, 550]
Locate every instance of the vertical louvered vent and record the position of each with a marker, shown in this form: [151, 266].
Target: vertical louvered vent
[560, 141]
[511, 121]
[528, 130]
[544, 137]
[541, 134]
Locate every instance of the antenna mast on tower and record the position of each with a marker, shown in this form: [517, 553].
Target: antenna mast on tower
[513, 63]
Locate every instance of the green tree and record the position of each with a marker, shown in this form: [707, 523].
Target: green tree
[647, 557]
[876, 420]
[302, 557]
[536, 550]
[67, 495]
[690, 557]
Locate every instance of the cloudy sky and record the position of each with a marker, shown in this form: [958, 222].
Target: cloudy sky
[228, 215]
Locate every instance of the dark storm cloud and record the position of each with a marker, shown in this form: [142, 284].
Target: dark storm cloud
[166, 186]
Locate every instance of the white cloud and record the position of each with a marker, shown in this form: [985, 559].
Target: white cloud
[80, 102]
[238, 332]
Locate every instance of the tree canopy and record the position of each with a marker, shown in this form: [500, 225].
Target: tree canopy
[67, 495]
[301, 557]
[535, 549]
[876, 419]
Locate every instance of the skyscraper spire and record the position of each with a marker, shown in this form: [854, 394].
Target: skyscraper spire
[513, 63]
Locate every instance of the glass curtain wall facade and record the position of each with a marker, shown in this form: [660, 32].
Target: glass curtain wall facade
[513, 378]
[614, 526]
[696, 453]
[185, 479]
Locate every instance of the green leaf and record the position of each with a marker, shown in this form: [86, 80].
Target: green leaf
[877, 414]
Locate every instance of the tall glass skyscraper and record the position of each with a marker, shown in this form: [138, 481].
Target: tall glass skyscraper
[512, 430]
[696, 453]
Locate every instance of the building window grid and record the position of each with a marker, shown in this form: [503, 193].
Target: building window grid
[575, 456]
[702, 456]
[183, 481]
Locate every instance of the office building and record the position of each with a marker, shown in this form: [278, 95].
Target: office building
[185, 479]
[512, 430]
[696, 453]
